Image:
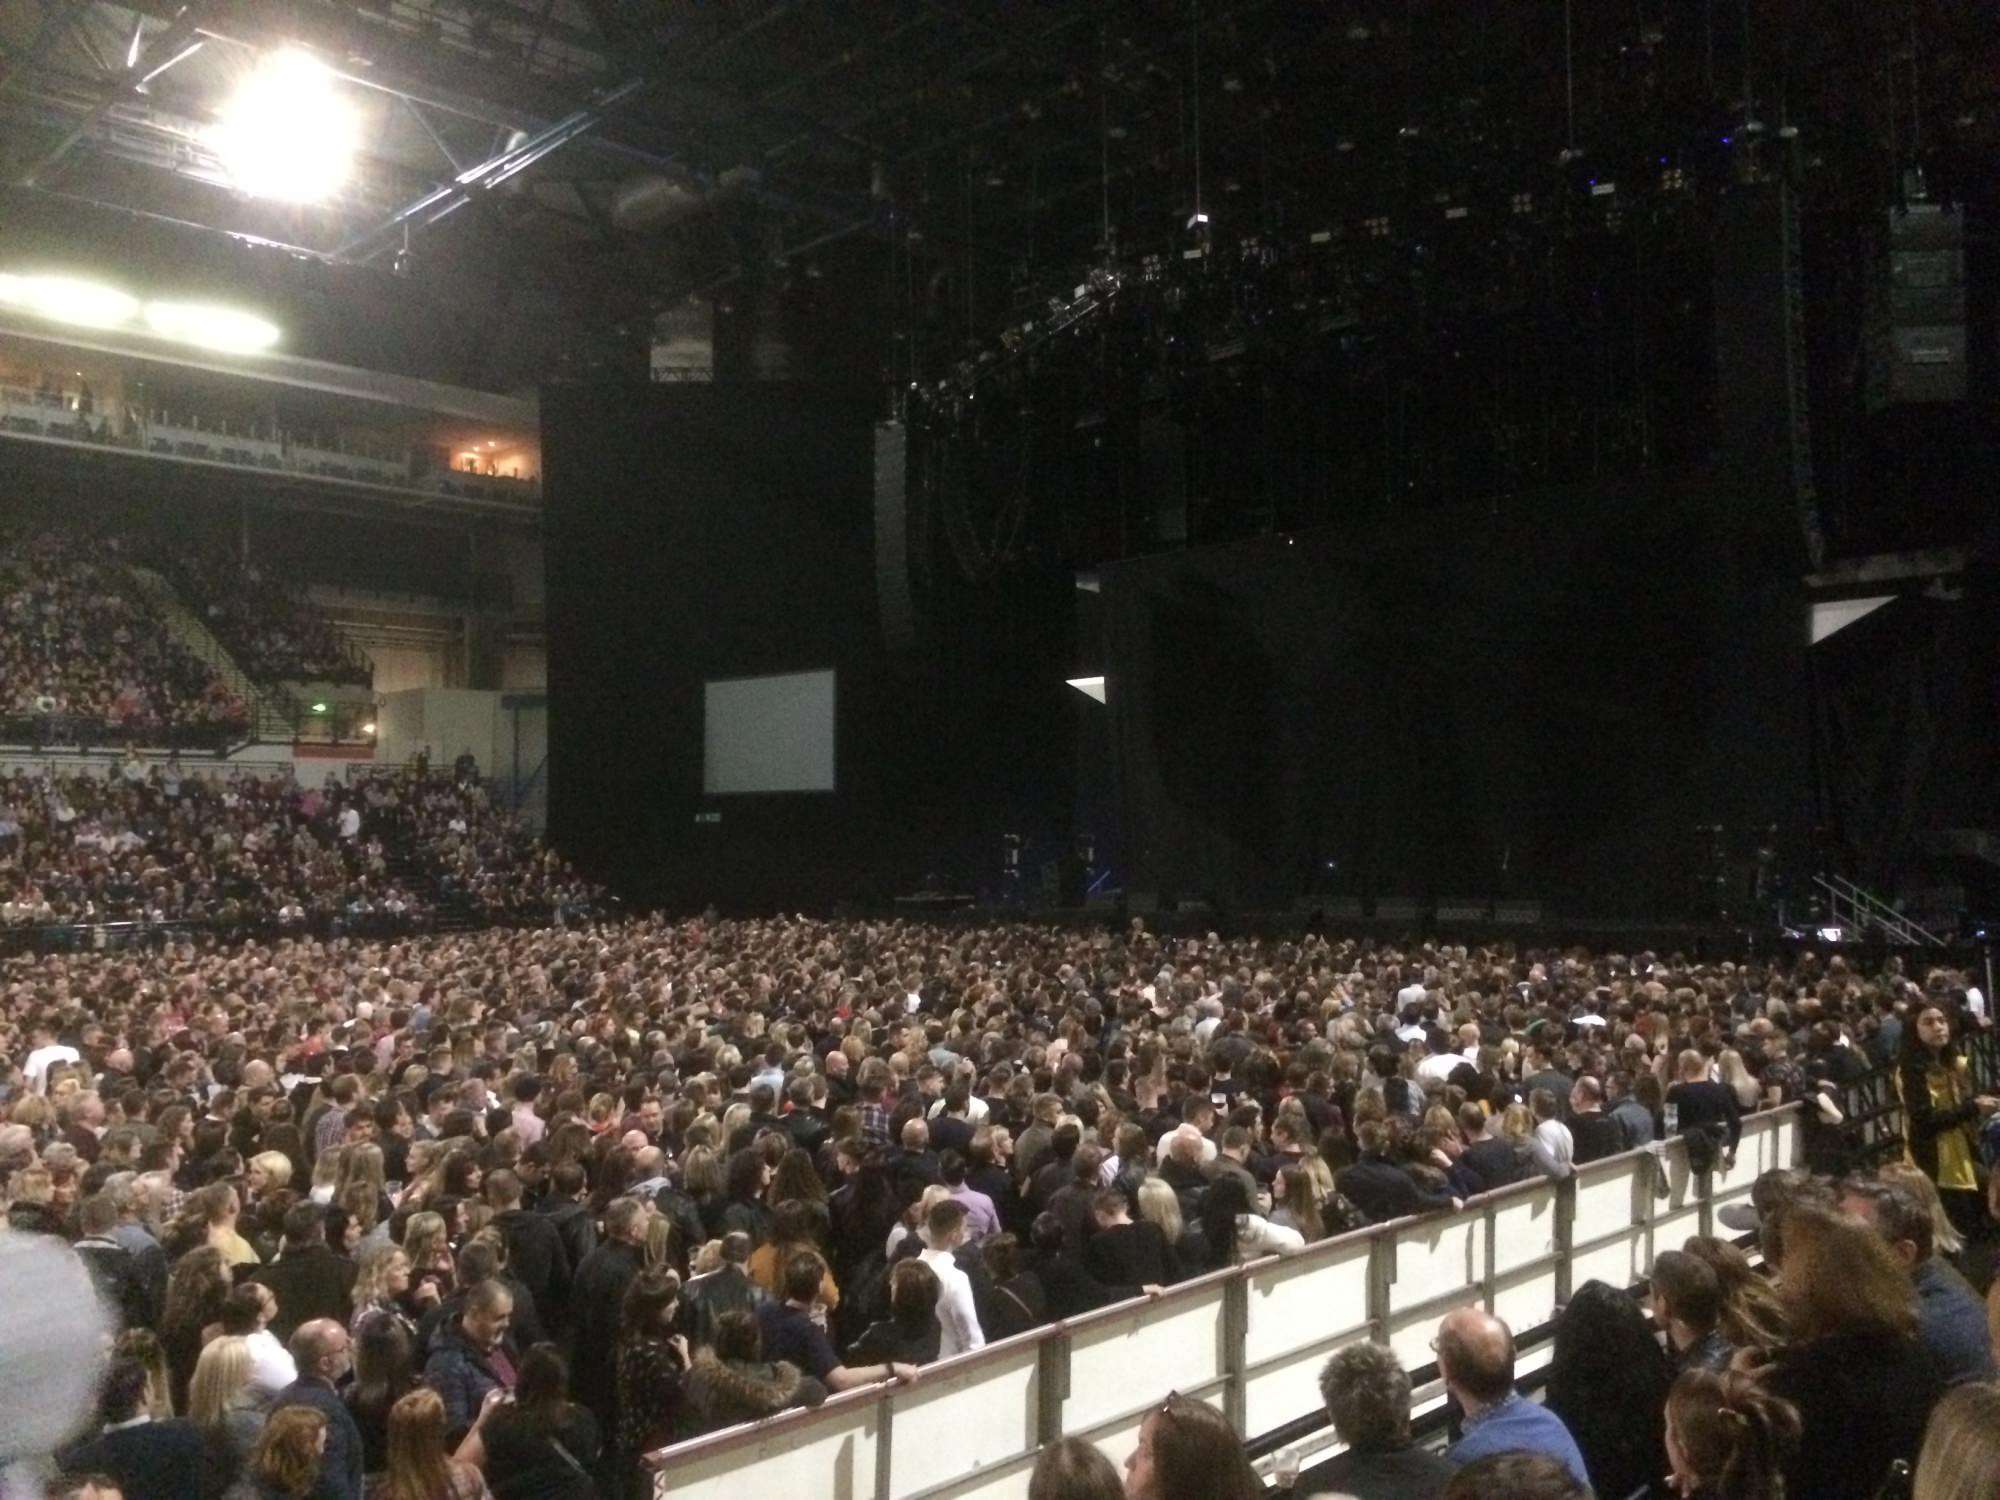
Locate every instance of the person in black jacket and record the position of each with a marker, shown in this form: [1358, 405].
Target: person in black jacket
[1608, 1382]
[567, 1206]
[598, 1295]
[726, 1289]
[536, 1255]
[1123, 1253]
[1490, 1160]
[114, 1270]
[1852, 1362]
[1380, 1188]
[308, 1279]
[1597, 1134]
[1367, 1396]
[151, 1460]
[322, 1351]
[1707, 1107]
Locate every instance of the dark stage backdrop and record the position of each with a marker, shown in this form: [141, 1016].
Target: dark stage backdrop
[705, 532]
[1541, 699]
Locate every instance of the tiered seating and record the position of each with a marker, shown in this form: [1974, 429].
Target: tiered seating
[271, 629]
[84, 659]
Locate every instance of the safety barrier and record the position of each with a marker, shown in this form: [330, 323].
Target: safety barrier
[1250, 1339]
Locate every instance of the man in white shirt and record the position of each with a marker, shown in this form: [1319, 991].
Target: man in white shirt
[958, 1318]
[46, 1054]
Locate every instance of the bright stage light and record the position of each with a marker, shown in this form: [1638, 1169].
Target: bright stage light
[67, 299]
[287, 132]
[222, 328]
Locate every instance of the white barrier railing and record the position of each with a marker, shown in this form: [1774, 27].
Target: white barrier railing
[1250, 1339]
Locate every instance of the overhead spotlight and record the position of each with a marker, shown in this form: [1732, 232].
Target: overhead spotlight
[287, 132]
[319, 708]
[220, 328]
[69, 299]
[369, 727]
[1197, 220]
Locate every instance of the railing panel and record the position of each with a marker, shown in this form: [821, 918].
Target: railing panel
[1434, 1255]
[1526, 1298]
[1619, 1261]
[1524, 1227]
[833, 1454]
[1299, 1310]
[953, 1421]
[1296, 1299]
[1604, 1201]
[1119, 1359]
[1410, 1334]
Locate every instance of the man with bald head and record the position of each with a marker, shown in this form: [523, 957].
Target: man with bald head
[1475, 1353]
[323, 1353]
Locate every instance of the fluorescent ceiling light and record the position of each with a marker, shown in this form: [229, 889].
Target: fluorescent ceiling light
[68, 299]
[1090, 687]
[287, 132]
[223, 328]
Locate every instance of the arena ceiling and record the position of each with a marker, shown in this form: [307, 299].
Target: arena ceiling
[623, 154]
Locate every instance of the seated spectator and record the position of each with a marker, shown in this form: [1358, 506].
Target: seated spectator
[1951, 1320]
[1727, 1437]
[1475, 1353]
[1367, 1398]
[1607, 1381]
[1072, 1469]
[1188, 1451]
[1687, 1307]
[1516, 1476]
[1961, 1453]
[1851, 1363]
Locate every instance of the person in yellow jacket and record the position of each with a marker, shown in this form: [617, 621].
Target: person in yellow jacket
[1941, 1112]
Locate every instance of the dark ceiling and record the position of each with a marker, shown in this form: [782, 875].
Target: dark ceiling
[653, 149]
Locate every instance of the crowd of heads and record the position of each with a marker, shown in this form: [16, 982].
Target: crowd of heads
[85, 657]
[241, 851]
[761, 1161]
[269, 625]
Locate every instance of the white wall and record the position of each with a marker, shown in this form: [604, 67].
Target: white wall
[398, 668]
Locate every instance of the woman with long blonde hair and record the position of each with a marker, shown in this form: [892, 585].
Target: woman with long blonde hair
[222, 1404]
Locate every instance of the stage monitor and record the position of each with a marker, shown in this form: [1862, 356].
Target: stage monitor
[768, 734]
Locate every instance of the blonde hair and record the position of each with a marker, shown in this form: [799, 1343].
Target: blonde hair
[1158, 1205]
[1960, 1459]
[427, 1241]
[220, 1376]
[276, 1167]
[372, 1280]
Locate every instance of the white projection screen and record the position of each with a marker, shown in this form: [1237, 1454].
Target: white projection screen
[768, 734]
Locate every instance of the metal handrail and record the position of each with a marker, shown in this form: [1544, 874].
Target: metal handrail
[1868, 908]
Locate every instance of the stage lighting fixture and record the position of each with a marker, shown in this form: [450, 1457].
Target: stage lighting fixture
[1090, 687]
[369, 727]
[319, 708]
[287, 132]
[68, 299]
[221, 328]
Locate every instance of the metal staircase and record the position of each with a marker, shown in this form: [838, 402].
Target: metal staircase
[1851, 907]
[274, 713]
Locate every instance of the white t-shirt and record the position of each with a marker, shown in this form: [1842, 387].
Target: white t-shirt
[958, 1318]
[36, 1068]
